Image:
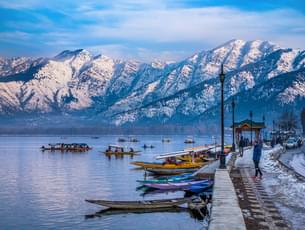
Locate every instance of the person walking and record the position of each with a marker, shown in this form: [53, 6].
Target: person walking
[241, 146]
[257, 153]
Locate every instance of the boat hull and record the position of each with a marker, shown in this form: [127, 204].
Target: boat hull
[145, 204]
[181, 185]
[185, 165]
[160, 171]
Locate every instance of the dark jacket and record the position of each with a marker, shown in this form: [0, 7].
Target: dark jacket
[257, 152]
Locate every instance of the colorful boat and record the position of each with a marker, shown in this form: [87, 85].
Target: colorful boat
[64, 147]
[170, 171]
[165, 165]
[177, 185]
[119, 150]
[200, 188]
[184, 177]
[142, 204]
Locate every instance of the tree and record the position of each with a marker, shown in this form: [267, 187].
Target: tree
[303, 119]
[288, 121]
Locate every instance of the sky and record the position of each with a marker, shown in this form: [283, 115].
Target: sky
[145, 30]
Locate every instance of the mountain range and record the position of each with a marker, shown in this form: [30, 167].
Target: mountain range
[76, 87]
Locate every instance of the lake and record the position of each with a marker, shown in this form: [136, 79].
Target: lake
[47, 190]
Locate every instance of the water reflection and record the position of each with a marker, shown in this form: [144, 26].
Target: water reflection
[48, 189]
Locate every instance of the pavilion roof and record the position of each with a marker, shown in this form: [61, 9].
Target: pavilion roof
[247, 123]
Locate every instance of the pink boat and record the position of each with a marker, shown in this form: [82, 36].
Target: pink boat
[177, 185]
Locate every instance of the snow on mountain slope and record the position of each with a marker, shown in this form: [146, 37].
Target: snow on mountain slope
[116, 91]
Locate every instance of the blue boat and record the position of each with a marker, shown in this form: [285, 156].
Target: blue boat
[200, 188]
[182, 178]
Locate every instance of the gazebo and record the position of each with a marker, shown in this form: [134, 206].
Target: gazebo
[245, 126]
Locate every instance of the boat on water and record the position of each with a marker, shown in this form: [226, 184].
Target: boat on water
[170, 171]
[142, 204]
[199, 188]
[183, 177]
[168, 165]
[189, 140]
[122, 139]
[178, 185]
[145, 146]
[120, 150]
[166, 140]
[64, 147]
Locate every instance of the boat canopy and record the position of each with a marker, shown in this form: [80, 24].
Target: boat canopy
[199, 148]
[172, 154]
[116, 146]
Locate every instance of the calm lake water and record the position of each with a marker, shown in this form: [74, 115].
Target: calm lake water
[46, 190]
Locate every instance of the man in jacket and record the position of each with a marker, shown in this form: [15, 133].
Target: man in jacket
[241, 146]
[257, 153]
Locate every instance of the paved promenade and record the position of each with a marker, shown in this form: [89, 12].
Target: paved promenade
[226, 213]
[258, 209]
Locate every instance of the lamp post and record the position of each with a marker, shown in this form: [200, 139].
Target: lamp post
[233, 128]
[222, 164]
[264, 119]
[251, 115]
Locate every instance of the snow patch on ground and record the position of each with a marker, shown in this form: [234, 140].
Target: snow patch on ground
[287, 191]
[298, 163]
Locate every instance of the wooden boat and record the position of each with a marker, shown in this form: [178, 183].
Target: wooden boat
[200, 188]
[73, 147]
[170, 171]
[166, 140]
[189, 140]
[145, 146]
[178, 165]
[184, 177]
[142, 204]
[177, 185]
[119, 150]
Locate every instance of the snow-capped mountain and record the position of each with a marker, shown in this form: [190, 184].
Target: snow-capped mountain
[104, 90]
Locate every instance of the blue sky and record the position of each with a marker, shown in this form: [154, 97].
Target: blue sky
[145, 29]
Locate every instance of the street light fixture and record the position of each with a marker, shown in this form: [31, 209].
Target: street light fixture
[222, 154]
[251, 115]
[233, 122]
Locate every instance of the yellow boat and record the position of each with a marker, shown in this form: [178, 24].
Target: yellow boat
[165, 165]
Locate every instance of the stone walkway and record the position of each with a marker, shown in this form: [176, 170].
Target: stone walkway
[258, 209]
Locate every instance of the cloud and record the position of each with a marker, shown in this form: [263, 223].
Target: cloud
[147, 30]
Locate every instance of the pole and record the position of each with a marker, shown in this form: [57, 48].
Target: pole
[251, 114]
[222, 154]
[263, 130]
[233, 127]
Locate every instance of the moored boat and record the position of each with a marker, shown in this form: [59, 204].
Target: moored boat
[184, 177]
[142, 204]
[170, 171]
[177, 185]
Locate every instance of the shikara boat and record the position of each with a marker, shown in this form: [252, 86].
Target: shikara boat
[143, 204]
[177, 185]
[145, 146]
[189, 140]
[64, 147]
[166, 140]
[119, 150]
[170, 171]
[184, 177]
[200, 188]
[165, 165]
